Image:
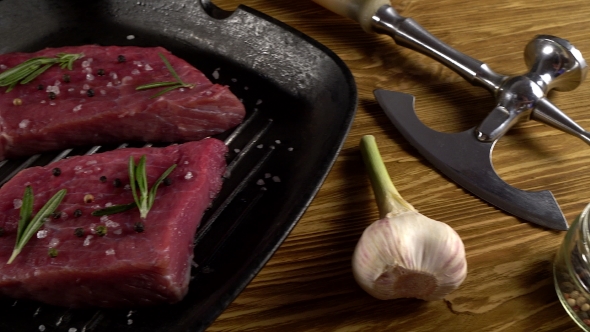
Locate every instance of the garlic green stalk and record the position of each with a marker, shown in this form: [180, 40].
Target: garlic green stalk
[404, 254]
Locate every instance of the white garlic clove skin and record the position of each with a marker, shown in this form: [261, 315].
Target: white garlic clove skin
[409, 256]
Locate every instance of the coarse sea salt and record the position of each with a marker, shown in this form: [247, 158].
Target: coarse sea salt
[134, 72]
[260, 182]
[73, 329]
[111, 224]
[188, 175]
[130, 37]
[24, 123]
[110, 252]
[87, 240]
[276, 179]
[53, 243]
[52, 88]
[42, 234]
[17, 203]
[148, 67]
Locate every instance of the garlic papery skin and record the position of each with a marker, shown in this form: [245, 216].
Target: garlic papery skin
[409, 256]
[404, 254]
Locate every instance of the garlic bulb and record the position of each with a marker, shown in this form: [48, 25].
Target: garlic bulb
[404, 254]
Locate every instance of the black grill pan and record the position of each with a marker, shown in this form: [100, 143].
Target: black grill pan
[300, 99]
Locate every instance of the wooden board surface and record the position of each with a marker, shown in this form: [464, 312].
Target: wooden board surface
[308, 284]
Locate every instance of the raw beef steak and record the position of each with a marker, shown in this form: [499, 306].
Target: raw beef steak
[97, 103]
[126, 266]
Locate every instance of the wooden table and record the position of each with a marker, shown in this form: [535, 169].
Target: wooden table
[308, 284]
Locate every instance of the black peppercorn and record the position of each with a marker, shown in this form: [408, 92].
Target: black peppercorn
[90, 93]
[56, 171]
[167, 182]
[52, 95]
[121, 58]
[77, 213]
[79, 232]
[117, 183]
[40, 87]
[1, 231]
[100, 72]
[66, 78]
[56, 214]
[103, 179]
[139, 228]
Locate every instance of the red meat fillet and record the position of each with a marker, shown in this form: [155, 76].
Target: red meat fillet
[98, 103]
[123, 268]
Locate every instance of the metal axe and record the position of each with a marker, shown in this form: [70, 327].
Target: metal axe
[465, 157]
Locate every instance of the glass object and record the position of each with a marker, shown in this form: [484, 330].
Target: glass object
[571, 270]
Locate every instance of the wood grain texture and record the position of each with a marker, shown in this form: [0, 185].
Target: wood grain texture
[308, 284]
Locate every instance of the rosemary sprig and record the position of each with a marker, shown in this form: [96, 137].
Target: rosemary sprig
[29, 225]
[31, 68]
[171, 85]
[143, 196]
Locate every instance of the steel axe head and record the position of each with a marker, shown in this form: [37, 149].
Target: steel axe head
[467, 161]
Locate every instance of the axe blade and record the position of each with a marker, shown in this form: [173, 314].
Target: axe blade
[467, 161]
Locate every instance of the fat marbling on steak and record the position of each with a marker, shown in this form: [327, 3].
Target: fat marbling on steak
[123, 268]
[97, 102]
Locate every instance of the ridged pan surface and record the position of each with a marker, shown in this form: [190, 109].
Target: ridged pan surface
[300, 100]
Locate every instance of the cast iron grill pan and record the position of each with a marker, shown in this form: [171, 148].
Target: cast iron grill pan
[300, 100]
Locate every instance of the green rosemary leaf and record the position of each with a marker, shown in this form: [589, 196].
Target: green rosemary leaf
[152, 195]
[170, 69]
[166, 90]
[132, 181]
[36, 73]
[26, 230]
[10, 87]
[171, 85]
[26, 211]
[142, 184]
[113, 209]
[155, 85]
[28, 70]
[141, 177]
[11, 71]
[143, 196]
[19, 75]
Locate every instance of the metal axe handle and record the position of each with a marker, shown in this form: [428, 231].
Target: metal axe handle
[553, 64]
